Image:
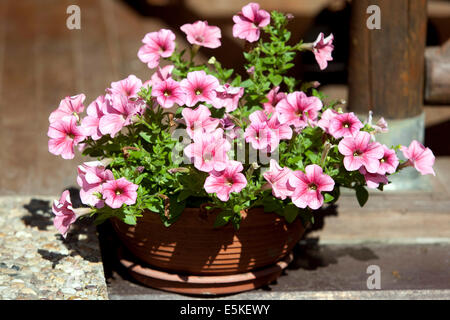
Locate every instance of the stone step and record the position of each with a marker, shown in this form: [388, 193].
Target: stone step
[35, 261]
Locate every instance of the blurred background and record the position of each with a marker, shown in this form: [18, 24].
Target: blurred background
[42, 61]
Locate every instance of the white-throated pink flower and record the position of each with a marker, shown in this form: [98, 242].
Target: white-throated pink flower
[64, 214]
[373, 180]
[119, 192]
[278, 179]
[389, 161]
[119, 113]
[90, 123]
[248, 22]
[68, 107]
[156, 45]
[322, 49]
[64, 135]
[91, 176]
[344, 125]
[168, 93]
[200, 33]
[226, 181]
[129, 86]
[273, 98]
[359, 151]
[209, 151]
[261, 136]
[161, 74]
[228, 97]
[199, 120]
[298, 109]
[264, 133]
[324, 122]
[419, 157]
[199, 87]
[308, 186]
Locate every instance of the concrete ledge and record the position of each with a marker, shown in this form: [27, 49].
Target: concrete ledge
[314, 295]
[37, 263]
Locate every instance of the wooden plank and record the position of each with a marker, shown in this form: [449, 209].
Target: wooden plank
[19, 84]
[85, 57]
[44, 62]
[388, 62]
[3, 14]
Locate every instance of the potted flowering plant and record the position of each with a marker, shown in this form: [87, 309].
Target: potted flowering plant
[205, 172]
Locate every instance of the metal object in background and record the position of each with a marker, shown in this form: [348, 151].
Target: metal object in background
[437, 74]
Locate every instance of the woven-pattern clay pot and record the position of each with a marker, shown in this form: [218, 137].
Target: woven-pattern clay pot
[193, 246]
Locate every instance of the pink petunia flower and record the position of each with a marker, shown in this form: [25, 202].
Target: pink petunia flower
[120, 191]
[389, 161]
[283, 131]
[68, 107]
[161, 74]
[64, 213]
[373, 180]
[91, 176]
[322, 49]
[381, 126]
[278, 179]
[325, 119]
[228, 97]
[309, 185]
[224, 182]
[156, 45]
[266, 133]
[274, 97]
[200, 33]
[168, 93]
[199, 119]
[249, 21]
[209, 151]
[64, 134]
[231, 130]
[419, 157]
[344, 125]
[119, 113]
[129, 86]
[298, 109]
[261, 136]
[199, 87]
[358, 151]
[90, 123]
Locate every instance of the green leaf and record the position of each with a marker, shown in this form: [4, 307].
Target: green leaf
[291, 212]
[314, 157]
[236, 82]
[144, 135]
[222, 218]
[129, 219]
[276, 79]
[247, 83]
[184, 194]
[362, 195]
[327, 197]
[138, 180]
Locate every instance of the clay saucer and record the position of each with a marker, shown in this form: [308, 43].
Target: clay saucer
[202, 285]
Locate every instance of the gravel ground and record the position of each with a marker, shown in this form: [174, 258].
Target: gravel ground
[37, 263]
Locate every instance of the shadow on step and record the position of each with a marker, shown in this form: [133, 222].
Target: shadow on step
[81, 239]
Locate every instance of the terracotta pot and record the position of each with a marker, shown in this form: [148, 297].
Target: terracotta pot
[193, 246]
